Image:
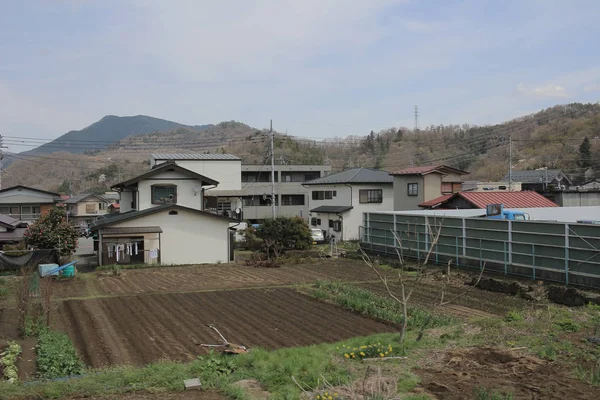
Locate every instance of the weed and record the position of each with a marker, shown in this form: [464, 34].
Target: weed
[486, 394]
[377, 350]
[369, 304]
[3, 281]
[215, 365]
[547, 352]
[3, 291]
[568, 325]
[591, 376]
[513, 316]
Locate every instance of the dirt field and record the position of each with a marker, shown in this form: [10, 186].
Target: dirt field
[209, 277]
[458, 374]
[141, 329]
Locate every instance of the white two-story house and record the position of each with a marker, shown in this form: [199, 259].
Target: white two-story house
[162, 220]
[337, 201]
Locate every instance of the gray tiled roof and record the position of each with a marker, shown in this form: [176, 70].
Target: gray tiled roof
[193, 156]
[8, 220]
[354, 175]
[80, 197]
[534, 175]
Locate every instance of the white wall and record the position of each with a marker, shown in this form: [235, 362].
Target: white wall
[349, 196]
[562, 214]
[125, 202]
[227, 172]
[189, 191]
[188, 237]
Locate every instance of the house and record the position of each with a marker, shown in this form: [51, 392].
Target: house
[594, 184]
[470, 200]
[114, 208]
[85, 208]
[226, 168]
[541, 180]
[337, 201]
[253, 200]
[415, 185]
[162, 220]
[11, 230]
[26, 204]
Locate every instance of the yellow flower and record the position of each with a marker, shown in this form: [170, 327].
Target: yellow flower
[381, 354]
[335, 394]
[362, 353]
[330, 398]
[346, 355]
[318, 397]
[353, 356]
[387, 352]
[326, 394]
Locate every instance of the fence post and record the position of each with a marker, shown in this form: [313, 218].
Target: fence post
[464, 237]
[418, 243]
[480, 254]
[505, 259]
[533, 258]
[566, 254]
[385, 241]
[456, 249]
[510, 261]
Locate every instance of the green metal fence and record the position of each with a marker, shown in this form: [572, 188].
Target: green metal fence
[562, 252]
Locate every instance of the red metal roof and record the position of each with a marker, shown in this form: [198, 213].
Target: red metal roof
[509, 199]
[115, 205]
[444, 169]
[436, 201]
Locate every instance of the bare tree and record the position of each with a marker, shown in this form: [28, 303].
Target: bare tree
[406, 290]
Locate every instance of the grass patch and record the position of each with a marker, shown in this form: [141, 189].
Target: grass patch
[3, 291]
[591, 376]
[568, 325]
[56, 356]
[487, 394]
[273, 369]
[369, 304]
[514, 316]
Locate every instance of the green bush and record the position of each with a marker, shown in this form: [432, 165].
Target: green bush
[56, 356]
[284, 233]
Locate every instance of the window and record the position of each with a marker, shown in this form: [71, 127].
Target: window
[446, 187]
[90, 208]
[413, 189]
[370, 196]
[315, 221]
[224, 206]
[331, 223]
[10, 210]
[323, 194]
[309, 176]
[292, 200]
[164, 194]
[101, 206]
[337, 226]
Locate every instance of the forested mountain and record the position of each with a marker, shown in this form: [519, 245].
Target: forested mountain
[550, 138]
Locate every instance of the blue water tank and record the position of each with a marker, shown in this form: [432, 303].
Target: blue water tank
[44, 269]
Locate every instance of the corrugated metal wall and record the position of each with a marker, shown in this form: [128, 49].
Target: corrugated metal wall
[560, 252]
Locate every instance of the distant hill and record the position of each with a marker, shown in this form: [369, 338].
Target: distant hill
[549, 138]
[108, 130]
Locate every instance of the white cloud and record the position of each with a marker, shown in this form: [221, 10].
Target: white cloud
[548, 90]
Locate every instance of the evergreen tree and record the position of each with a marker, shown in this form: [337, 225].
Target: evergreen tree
[585, 153]
[52, 231]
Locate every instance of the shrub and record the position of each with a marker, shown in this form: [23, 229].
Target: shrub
[284, 233]
[52, 231]
[56, 356]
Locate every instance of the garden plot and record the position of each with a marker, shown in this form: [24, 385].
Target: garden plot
[140, 329]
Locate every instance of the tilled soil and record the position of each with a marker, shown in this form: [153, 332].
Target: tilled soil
[459, 374]
[140, 329]
[212, 277]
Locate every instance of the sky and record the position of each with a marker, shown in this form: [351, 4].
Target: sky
[317, 68]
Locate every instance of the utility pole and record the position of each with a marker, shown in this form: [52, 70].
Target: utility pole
[273, 209]
[1, 158]
[416, 129]
[510, 163]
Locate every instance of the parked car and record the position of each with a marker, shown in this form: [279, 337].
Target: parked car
[317, 236]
